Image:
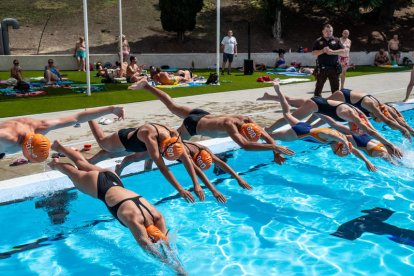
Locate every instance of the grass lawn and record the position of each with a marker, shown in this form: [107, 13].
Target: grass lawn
[59, 99]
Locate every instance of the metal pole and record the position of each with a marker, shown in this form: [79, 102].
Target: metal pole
[121, 56]
[85, 24]
[218, 41]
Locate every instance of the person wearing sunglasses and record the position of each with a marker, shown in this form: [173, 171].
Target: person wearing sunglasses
[51, 73]
[150, 140]
[16, 71]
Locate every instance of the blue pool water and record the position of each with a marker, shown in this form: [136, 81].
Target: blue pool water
[281, 227]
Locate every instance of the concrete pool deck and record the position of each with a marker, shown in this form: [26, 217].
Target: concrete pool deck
[388, 87]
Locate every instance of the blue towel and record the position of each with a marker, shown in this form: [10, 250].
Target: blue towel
[290, 74]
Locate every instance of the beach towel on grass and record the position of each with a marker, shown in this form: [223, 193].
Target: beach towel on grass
[13, 93]
[41, 83]
[170, 70]
[290, 74]
[184, 85]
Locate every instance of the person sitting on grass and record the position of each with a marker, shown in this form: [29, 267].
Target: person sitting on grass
[27, 134]
[143, 220]
[280, 61]
[243, 130]
[51, 73]
[153, 141]
[381, 58]
[16, 71]
[134, 71]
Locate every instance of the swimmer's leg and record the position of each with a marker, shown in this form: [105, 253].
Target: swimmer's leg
[179, 110]
[109, 143]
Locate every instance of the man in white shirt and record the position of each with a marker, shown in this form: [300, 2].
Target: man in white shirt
[229, 47]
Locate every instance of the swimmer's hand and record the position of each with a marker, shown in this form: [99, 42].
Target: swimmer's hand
[244, 184]
[283, 150]
[220, 197]
[199, 192]
[119, 112]
[393, 150]
[371, 167]
[186, 195]
[278, 158]
[139, 85]
[406, 134]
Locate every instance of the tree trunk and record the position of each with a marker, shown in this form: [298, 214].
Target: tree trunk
[180, 36]
[277, 25]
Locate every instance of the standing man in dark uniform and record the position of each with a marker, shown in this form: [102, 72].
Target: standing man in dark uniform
[327, 48]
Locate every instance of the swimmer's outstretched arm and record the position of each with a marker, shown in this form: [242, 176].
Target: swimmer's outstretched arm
[393, 150]
[399, 118]
[89, 114]
[155, 155]
[219, 196]
[361, 156]
[393, 124]
[225, 167]
[190, 167]
[339, 127]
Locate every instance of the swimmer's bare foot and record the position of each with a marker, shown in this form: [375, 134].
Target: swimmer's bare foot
[139, 85]
[52, 164]
[267, 97]
[56, 145]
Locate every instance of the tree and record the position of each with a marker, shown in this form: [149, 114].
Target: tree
[179, 15]
[273, 9]
[382, 10]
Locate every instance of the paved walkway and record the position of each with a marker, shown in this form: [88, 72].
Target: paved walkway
[389, 87]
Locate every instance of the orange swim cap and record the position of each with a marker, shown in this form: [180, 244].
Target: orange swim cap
[339, 149]
[155, 233]
[36, 147]
[251, 132]
[171, 149]
[203, 159]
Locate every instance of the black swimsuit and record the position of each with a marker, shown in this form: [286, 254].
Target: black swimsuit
[133, 144]
[326, 109]
[192, 120]
[358, 104]
[107, 180]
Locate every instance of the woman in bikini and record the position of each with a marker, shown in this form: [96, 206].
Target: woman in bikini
[80, 54]
[152, 141]
[145, 222]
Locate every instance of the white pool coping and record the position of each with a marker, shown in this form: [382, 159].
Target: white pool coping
[20, 188]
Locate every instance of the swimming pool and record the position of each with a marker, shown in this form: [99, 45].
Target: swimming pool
[281, 227]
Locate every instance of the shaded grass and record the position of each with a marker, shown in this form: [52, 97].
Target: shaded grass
[59, 99]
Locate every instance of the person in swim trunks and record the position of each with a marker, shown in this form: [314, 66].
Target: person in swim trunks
[304, 131]
[80, 54]
[243, 130]
[145, 222]
[165, 78]
[338, 111]
[368, 104]
[14, 132]
[147, 141]
[365, 142]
